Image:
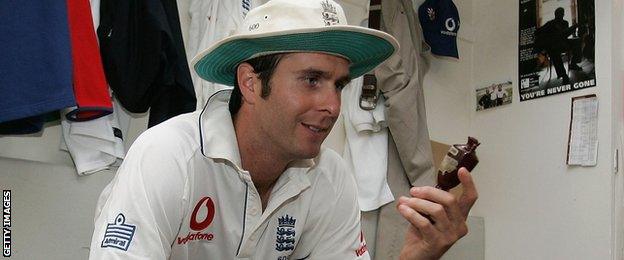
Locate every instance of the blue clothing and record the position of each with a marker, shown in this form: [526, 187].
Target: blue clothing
[35, 68]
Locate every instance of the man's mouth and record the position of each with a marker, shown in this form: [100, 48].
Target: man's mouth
[315, 128]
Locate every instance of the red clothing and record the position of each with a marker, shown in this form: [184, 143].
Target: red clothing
[90, 88]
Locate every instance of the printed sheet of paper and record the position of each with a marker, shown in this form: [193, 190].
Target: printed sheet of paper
[583, 142]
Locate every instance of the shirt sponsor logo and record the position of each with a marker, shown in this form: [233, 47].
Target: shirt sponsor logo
[198, 225]
[118, 234]
[195, 236]
[210, 213]
[450, 24]
[285, 239]
[363, 248]
[451, 27]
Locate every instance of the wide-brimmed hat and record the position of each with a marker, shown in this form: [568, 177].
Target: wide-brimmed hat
[282, 26]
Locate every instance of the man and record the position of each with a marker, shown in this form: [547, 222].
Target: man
[493, 96]
[246, 177]
[500, 95]
[484, 101]
[553, 37]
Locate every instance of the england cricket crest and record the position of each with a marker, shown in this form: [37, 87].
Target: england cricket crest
[431, 13]
[285, 239]
[330, 15]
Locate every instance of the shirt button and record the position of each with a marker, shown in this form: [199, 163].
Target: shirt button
[253, 211]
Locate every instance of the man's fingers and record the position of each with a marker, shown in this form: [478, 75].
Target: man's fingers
[436, 212]
[433, 194]
[440, 206]
[470, 194]
[446, 199]
[418, 221]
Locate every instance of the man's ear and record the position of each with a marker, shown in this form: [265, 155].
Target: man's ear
[248, 83]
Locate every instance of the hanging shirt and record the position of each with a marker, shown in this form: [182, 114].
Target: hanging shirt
[97, 144]
[366, 147]
[90, 88]
[212, 21]
[356, 11]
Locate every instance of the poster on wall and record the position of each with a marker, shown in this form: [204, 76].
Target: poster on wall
[556, 47]
[583, 135]
[494, 95]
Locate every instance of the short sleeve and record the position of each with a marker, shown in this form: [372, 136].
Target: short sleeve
[140, 211]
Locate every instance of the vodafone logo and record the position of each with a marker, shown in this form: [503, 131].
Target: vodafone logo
[363, 248]
[200, 224]
[207, 206]
[450, 24]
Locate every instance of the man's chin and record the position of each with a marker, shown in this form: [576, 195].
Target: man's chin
[310, 153]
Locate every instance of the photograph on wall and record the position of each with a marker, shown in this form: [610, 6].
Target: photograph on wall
[556, 47]
[494, 95]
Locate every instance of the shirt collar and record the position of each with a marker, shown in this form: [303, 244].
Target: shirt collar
[218, 138]
[216, 129]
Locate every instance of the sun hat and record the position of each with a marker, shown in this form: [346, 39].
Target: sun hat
[282, 26]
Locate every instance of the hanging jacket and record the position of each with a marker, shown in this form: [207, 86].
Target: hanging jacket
[144, 59]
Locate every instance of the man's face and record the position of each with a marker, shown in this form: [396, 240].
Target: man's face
[559, 13]
[303, 104]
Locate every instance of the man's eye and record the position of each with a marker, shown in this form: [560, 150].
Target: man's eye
[312, 80]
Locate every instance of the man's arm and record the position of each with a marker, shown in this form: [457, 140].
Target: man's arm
[139, 213]
[427, 240]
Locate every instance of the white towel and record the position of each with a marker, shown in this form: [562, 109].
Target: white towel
[97, 144]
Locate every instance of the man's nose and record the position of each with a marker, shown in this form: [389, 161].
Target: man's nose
[330, 101]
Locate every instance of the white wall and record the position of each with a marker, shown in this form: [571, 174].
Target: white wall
[617, 109]
[52, 207]
[534, 205]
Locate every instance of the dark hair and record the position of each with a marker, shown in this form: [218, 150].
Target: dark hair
[264, 66]
[559, 12]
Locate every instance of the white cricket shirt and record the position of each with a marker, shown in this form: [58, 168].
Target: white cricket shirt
[181, 194]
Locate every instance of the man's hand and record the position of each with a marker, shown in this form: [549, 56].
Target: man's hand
[427, 239]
